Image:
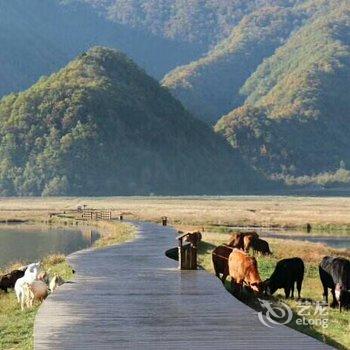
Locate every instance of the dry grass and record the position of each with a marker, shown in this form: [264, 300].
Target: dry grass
[113, 233]
[263, 211]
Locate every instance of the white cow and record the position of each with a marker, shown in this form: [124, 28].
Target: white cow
[30, 276]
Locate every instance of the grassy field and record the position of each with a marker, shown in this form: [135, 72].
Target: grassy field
[337, 332]
[16, 326]
[265, 211]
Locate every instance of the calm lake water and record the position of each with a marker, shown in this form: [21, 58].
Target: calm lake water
[339, 242]
[29, 243]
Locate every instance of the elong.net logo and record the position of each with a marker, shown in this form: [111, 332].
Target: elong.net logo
[279, 313]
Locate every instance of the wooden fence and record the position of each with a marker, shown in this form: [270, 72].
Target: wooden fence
[97, 215]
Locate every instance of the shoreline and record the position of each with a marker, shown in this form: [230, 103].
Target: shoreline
[17, 326]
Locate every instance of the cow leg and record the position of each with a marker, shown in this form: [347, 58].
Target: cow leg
[223, 278]
[325, 294]
[292, 289]
[299, 283]
[287, 291]
[217, 274]
[232, 284]
[335, 302]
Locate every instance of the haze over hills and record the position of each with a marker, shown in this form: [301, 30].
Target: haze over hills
[39, 37]
[101, 126]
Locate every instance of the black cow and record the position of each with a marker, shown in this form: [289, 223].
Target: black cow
[9, 280]
[287, 272]
[261, 246]
[343, 296]
[334, 271]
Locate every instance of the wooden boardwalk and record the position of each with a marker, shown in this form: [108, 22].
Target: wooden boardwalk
[133, 297]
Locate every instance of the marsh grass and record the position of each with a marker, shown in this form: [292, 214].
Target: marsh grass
[338, 329]
[331, 213]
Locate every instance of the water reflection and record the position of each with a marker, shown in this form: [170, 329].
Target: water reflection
[32, 242]
[339, 242]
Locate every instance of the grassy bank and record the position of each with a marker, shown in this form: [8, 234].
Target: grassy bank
[16, 326]
[337, 332]
[263, 211]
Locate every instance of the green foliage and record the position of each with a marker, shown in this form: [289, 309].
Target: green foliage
[101, 126]
[209, 87]
[294, 122]
[280, 68]
[199, 21]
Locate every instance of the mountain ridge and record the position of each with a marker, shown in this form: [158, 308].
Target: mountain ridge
[101, 126]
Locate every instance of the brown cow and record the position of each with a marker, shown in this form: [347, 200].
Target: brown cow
[9, 280]
[236, 241]
[248, 242]
[242, 240]
[220, 261]
[194, 238]
[244, 269]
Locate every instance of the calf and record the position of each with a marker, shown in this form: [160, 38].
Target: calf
[287, 272]
[9, 280]
[220, 261]
[334, 271]
[244, 269]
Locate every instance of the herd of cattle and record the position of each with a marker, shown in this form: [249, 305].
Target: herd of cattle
[233, 260]
[30, 284]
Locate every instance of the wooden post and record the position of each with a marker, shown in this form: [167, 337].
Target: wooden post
[121, 217]
[188, 252]
[180, 254]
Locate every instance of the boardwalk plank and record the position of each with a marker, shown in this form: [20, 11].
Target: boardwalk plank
[132, 297]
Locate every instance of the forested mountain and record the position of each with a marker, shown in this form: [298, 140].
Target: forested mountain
[101, 126]
[209, 87]
[199, 22]
[296, 116]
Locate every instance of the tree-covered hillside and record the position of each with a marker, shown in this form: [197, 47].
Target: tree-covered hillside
[209, 87]
[275, 71]
[101, 126]
[295, 119]
[203, 22]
